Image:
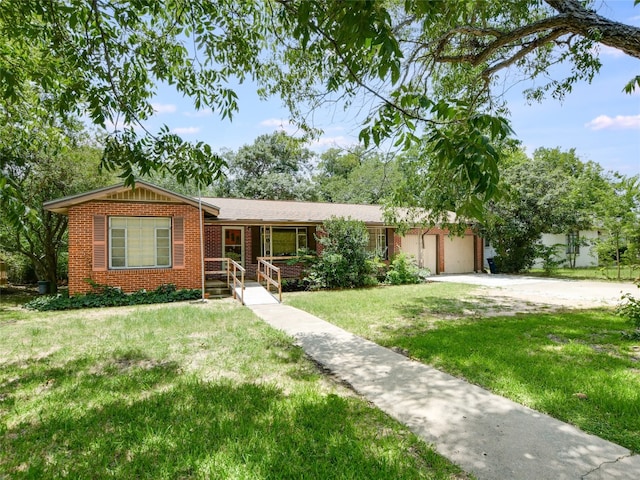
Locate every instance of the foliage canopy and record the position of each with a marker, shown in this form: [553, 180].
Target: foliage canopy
[423, 70]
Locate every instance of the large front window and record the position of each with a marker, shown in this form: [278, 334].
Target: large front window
[139, 242]
[283, 241]
[378, 242]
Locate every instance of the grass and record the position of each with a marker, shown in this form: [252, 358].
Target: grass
[10, 302]
[184, 391]
[573, 365]
[627, 273]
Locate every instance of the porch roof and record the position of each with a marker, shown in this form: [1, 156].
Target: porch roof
[284, 211]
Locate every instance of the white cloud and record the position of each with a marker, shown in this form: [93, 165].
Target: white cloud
[275, 122]
[185, 130]
[281, 125]
[164, 107]
[328, 142]
[607, 51]
[618, 122]
[207, 112]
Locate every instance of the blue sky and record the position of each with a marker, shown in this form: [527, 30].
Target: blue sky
[600, 121]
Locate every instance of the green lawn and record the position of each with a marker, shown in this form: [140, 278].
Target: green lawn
[184, 391]
[573, 365]
[627, 273]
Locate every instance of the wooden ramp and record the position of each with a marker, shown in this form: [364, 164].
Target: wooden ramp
[256, 294]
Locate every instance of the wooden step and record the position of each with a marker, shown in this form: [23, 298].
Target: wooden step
[217, 289]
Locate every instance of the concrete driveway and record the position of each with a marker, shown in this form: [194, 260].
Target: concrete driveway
[550, 292]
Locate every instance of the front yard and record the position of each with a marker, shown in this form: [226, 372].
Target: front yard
[184, 391]
[574, 365]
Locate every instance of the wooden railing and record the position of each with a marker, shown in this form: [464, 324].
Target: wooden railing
[270, 274]
[235, 275]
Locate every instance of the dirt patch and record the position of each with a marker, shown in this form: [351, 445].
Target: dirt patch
[511, 301]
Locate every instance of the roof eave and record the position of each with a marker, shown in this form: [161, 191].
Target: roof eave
[62, 205]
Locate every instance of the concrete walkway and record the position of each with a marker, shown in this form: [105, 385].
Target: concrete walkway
[255, 294]
[485, 434]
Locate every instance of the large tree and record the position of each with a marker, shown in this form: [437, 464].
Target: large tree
[619, 214]
[275, 167]
[426, 69]
[426, 72]
[356, 176]
[27, 229]
[552, 192]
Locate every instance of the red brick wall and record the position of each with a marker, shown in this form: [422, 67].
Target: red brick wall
[81, 243]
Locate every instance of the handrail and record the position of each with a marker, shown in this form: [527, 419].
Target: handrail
[231, 269]
[267, 270]
[217, 272]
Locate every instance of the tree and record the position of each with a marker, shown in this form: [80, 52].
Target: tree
[345, 261]
[619, 211]
[25, 227]
[357, 176]
[275, 167]
[553, 192]
[426, 70]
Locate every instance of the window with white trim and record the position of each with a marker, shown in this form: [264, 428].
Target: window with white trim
[139, 242]
[283, 241]
[378, 242]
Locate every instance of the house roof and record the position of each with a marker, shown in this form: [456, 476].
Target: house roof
[143, 192]
[280, 211]
[231, 210]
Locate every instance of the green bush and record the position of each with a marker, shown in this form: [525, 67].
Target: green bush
[550, 256]
[105, 296]
[629, 308]
[404, 271]
[345, 261]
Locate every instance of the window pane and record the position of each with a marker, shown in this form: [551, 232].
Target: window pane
[163, 247]
[302, 238]
[140, 241]
[117, 262]
[377, 242]
[284, 242]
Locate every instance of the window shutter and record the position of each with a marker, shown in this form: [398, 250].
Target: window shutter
[178, 242]
[99, 242]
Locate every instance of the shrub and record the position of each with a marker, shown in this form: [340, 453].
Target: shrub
[105, 296]
[403, 270]
[629, 308]
[550, 256]
[345, 261]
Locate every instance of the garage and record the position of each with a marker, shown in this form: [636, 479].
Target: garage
[422, 248]
[458, 254]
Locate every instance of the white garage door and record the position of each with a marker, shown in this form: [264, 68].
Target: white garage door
[458, 254]
[424, 252]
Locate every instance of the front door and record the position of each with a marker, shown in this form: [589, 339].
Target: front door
[233, 244]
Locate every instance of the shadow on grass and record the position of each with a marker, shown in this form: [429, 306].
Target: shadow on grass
[572, 366]
[132, 417]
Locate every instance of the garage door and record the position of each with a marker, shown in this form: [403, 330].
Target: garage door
[458, 254]
[424, 252]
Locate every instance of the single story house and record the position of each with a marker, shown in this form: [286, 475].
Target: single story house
[148, 236]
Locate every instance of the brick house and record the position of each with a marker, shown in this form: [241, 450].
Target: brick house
[148, 236]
